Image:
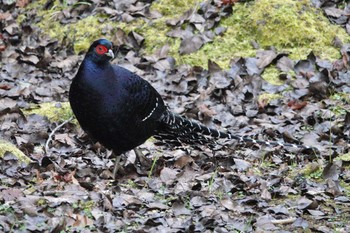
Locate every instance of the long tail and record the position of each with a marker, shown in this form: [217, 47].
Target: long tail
[176, 130]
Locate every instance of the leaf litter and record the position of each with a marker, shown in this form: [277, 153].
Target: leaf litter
[228, 187]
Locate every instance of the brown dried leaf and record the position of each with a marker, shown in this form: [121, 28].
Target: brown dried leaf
[297, 105]
[22, 3]
[183, 161]
[265, 58]
[168, 175]
[191, 44]
[228, 204]
[11, 194]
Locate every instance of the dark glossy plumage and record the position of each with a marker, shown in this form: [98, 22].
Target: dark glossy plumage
[121, 110]
[113, 105]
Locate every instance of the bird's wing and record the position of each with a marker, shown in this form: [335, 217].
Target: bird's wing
[145, 102]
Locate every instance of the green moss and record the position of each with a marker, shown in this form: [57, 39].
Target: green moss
[312, 170]
[344, 157]
[87, 205]
[6, 209]
[156, 30]
[341, 102]
[42, 202]
[271, 75]
[345, 186]
[219, 51]
[341, 96]
[292, 26]
[155, 34]
[267, 97]
[9, 147]
[296, 26]
[80, 33]
[55, 112]
[84, 206]
[21, 18]
[289, 25]
[174, 8]
[90, 28]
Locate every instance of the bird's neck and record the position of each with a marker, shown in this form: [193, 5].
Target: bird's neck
[97, 77]
[91, 61]
[91, 68]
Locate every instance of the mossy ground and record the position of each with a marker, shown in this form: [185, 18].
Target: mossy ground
[55, 112]
[289, 25]
[80, 33]
[344, 157]
[268, 97]
[271, 74]
[9, 147]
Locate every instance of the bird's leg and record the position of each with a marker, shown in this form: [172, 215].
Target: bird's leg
[142, 159]
[138, 153]
[145, 163]
[116, 166]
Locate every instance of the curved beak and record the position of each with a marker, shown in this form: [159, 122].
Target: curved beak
[110, 53]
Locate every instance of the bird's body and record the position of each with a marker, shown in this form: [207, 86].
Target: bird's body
[115, 106]
[121, 110]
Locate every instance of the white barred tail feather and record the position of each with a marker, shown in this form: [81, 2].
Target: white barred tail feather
[176, 129]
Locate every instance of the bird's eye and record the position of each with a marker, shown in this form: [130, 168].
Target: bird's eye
[101, 49]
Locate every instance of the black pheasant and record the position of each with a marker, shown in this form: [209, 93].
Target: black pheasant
[121, 110]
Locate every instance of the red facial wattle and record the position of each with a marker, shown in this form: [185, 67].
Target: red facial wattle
[101, 49]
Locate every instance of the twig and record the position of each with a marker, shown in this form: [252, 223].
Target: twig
[283, 221]
[54, 131]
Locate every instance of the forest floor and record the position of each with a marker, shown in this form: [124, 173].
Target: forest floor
[67, 185]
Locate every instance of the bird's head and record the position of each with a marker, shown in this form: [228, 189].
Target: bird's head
[101, 51]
